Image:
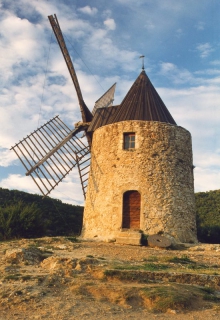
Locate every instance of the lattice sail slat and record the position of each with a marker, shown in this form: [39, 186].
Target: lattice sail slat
[83, 165]
[51, 152]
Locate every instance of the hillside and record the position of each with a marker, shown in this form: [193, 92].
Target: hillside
[40, 216]
[208, 216]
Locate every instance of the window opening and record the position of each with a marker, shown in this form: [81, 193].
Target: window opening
[129, 141]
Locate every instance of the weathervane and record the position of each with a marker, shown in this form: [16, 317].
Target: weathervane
[142, 61]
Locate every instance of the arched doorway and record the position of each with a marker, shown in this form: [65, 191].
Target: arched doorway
[131, 210]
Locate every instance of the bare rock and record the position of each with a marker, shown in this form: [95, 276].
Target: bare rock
[21, 255]
[54, 263]
[61, 247]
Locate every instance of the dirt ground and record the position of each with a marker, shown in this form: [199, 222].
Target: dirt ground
[60, 278]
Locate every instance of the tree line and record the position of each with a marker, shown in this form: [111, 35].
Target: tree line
[208, 216]
[24, 215]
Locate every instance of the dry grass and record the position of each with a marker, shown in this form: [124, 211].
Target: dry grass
[164, 297]
[182, 264]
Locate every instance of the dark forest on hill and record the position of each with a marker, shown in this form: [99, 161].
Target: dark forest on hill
[28, 216]
[208, 216]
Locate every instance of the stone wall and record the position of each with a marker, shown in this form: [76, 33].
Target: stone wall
[160, 168]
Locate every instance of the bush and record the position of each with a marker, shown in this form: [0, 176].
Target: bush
[21, 221]
[53, 216]
[208, 216]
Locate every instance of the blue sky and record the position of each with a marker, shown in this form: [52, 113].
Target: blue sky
[181, 44]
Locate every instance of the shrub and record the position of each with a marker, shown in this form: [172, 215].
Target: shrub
[56, 218]
[21, 221]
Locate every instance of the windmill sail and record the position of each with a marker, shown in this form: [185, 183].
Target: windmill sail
[86, 114]
[51, 152]
[83, 164]
[105, 100]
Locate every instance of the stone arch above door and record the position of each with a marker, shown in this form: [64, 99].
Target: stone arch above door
[131, 210]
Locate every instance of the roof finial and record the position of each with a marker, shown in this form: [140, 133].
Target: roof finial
[142, 62]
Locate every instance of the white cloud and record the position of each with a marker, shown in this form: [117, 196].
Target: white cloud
[149, 25]
[179, 33]
[109, 54]
[200, 26]
[207, 160]
[110, 24]
[18, 182]
[167, 67]
[88, 10]
[208, 72]
[68, 190]
[107, 13]
[215, 62]
[204, 49]
[206, 179]
[20, 38]
[195, 106]
[177, 75]
[6, 157]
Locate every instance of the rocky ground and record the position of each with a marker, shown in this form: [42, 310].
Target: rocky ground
[61, 278]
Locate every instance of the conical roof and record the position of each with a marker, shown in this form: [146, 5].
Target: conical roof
[142, 102]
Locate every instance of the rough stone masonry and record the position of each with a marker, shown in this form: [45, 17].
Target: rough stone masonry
[160, 168]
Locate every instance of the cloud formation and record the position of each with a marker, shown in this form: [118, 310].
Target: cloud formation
[204, 49]
[88, 10]
[110, 24]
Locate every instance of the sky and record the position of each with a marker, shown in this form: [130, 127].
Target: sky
[181, 44]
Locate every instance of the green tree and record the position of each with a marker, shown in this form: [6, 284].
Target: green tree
[57, 218]
[21, 220]
[208, 216]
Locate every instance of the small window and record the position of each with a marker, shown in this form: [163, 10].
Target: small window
[129, 140]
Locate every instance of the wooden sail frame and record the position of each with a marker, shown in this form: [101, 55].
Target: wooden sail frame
[51, 152]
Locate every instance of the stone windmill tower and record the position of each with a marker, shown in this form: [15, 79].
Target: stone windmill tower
[140, 176]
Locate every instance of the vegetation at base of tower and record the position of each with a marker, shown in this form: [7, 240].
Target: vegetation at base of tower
[208, 216]
[24, 215]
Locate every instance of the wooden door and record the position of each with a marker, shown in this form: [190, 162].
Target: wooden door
[131, 210]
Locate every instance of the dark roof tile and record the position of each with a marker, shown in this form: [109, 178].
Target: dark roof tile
[142, 102]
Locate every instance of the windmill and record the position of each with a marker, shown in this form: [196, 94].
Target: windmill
[135, 163]
[53, 150]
